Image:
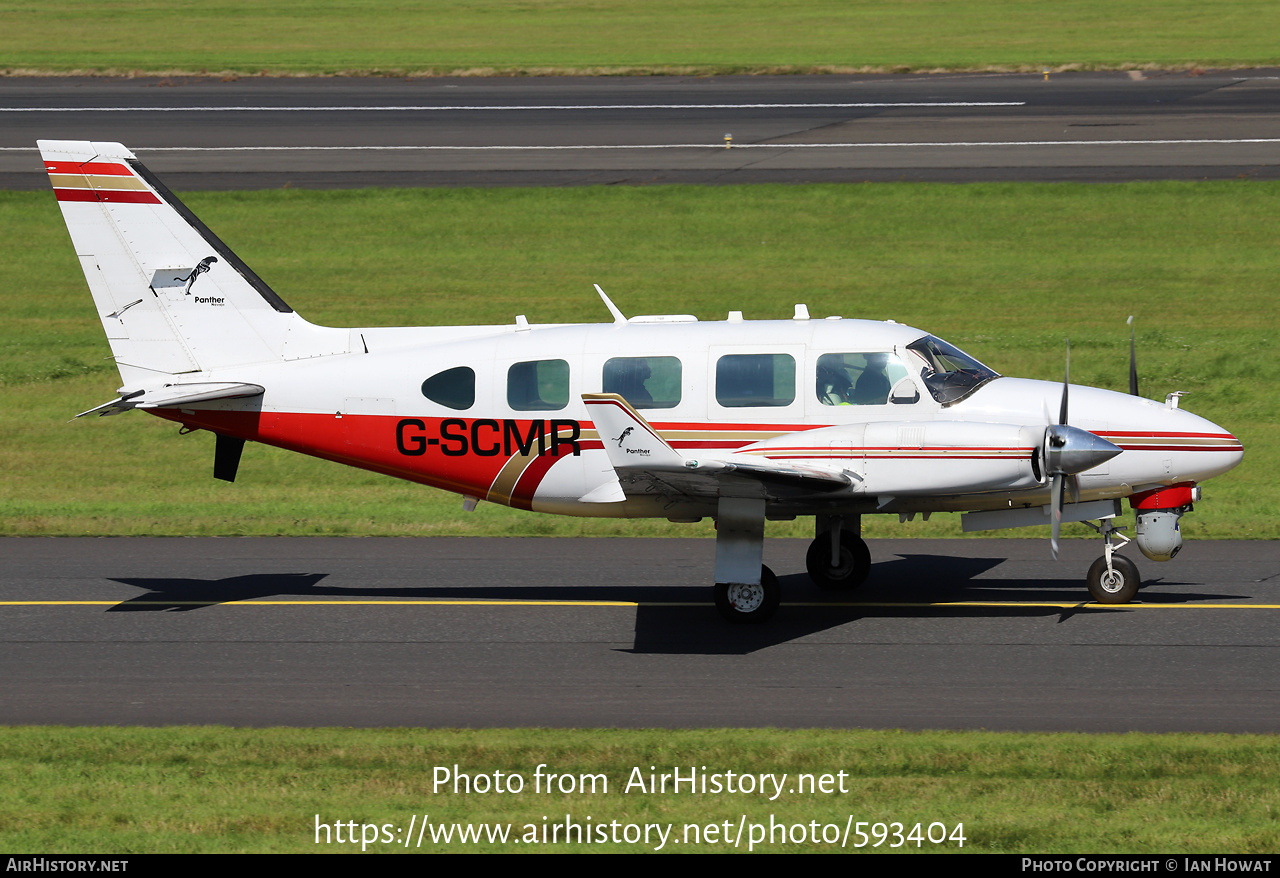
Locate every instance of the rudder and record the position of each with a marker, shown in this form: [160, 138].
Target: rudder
[172, 297]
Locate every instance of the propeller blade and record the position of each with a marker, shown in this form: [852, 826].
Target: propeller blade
[1133, 362]
[1056, 503]
[1066, 380]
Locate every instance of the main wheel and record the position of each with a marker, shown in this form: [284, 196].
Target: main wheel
[749, 604]
[851, 572]
[1117, 586]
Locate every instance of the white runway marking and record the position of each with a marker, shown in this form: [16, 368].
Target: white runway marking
[720, 146]
[509, 107]
[894, 145]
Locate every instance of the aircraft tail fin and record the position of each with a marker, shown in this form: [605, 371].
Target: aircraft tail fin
[173, 298]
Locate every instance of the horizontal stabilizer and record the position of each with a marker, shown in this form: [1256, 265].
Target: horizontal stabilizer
[175, 395]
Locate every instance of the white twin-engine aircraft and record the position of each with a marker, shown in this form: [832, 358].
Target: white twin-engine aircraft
[653, 416]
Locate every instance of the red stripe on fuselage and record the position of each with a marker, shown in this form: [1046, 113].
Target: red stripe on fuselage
[375, 442]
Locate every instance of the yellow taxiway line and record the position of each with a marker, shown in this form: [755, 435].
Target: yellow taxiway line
[481, 602]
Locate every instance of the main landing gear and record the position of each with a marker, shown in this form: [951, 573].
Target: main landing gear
[838, 558]
[1113, 578]
[745, 603]
[746, 591]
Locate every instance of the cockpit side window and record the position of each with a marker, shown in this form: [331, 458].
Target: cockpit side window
[858, 379]
[948, 372]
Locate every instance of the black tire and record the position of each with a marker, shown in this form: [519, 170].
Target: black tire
[855, 562]
[1118, 588]
[749, 604]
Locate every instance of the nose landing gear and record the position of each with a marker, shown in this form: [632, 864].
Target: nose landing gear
[1113, 578]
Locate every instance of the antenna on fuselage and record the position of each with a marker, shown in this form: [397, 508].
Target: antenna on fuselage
[613, 309]
[1133, 361]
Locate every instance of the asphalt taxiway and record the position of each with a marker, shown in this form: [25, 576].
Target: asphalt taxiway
[621, 633]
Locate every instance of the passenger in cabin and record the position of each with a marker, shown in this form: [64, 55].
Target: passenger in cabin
[626, 377]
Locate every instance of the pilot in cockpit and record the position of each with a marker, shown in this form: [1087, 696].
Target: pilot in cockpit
[872, 387]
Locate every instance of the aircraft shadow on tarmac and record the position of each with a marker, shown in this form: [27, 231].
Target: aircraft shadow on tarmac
[910, 586]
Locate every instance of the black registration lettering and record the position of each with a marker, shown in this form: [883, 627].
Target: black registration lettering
[484, 450]
[571, 440]
[511, 431]
[411, 444]
[489, 438]
[447, 436]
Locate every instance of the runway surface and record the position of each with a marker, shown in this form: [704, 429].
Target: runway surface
[563, 632]
[267, 133]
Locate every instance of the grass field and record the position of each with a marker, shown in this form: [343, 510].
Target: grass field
[139, 790]
[1007, 271]
[630, 36]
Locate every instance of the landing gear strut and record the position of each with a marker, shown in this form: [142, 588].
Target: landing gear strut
[746, 591]
[1113, 578]
[838, 558]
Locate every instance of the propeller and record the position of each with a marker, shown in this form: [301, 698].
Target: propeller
[1067, 451]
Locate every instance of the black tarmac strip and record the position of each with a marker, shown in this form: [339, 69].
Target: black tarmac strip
[457, 632]
[262, 133]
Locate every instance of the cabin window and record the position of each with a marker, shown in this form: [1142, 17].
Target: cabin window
[538, 385]
[858, 379]
[645, 382]
[452, 388]
[755, 380]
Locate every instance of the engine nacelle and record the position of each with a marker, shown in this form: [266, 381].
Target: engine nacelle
[1158, 534]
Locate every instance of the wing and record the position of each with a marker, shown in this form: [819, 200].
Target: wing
[645, 463]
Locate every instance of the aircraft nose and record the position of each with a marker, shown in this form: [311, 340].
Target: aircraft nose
[1201, 448]
[1221, 447]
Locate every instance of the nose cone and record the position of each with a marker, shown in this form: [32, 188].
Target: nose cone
[1185, 447]
[1072, 450]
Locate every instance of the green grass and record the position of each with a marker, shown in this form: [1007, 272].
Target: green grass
[637, 36]
[1004, 270]
[140, 790]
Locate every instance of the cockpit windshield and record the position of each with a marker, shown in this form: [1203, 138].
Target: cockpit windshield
[949, 373]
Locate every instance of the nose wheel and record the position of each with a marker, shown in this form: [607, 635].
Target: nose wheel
[1117, 585]
[1113, 578]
